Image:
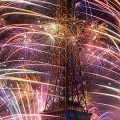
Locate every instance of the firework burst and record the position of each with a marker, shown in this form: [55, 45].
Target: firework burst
[32, 44]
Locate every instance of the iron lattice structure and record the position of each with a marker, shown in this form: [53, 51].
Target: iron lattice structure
[66, 99]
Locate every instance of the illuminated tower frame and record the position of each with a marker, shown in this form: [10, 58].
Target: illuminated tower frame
[66, 100]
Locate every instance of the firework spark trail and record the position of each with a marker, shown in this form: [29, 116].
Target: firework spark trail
[9, 72]
[30, 68]
[111, 88]
[99, 53]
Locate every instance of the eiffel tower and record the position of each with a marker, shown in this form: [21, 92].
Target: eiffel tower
[66, 99]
